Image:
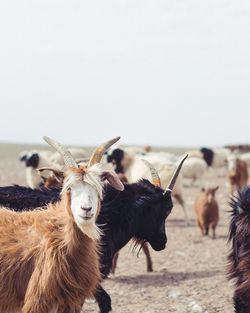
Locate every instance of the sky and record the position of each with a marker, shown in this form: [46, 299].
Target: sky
[160, 72]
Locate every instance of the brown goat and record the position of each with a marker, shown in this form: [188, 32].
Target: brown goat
[207, 211]
[237, 173]
[49, 259]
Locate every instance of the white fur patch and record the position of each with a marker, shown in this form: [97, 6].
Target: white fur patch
[86, 193]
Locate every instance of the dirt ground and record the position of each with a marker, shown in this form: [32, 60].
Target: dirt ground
[189, 275]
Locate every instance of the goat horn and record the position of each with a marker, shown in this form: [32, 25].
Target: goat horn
[175, 176]
[99, 151]
[155, 176]
[66, 155]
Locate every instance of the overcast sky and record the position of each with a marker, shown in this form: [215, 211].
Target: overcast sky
[170, 72]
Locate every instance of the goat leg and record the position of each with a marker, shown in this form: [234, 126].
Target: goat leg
[114, 262]
[148, 257]
[103, 299]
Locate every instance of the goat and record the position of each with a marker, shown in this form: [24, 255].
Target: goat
[39, 159]
[33, 160]
[207, 211]
[239, 256]
[237, 173]
[49, 258]
[140, 211]
[215, 157]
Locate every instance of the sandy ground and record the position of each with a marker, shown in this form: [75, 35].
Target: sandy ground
[189, 275]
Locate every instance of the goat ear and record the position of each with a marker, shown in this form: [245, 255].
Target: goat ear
[113, 179]
[57, 174]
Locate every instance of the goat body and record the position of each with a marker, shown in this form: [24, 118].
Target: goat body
[207, 211]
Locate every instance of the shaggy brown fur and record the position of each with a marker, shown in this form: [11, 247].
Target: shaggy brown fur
[239, 256]
[207, 211]
[46, 261]
[239, 178]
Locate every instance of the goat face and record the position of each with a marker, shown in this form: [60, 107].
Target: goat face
[154, 212]
[116, 158]
[31, 159]
[210, 194]
[86, 185]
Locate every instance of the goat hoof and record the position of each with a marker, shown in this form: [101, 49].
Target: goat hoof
[106, 310]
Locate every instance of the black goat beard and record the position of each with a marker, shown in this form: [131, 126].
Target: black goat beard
[137, 245]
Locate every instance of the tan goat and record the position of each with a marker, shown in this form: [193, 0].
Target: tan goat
[207, 211]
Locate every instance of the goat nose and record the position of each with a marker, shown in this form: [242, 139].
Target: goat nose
[86, 209]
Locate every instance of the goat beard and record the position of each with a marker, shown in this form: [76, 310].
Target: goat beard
[137, 245]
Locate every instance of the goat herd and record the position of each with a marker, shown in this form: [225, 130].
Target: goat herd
[60, 237]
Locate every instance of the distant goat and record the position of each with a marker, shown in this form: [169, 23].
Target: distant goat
[49, 258]
[39, 159]
[239, 257]
[237, 173]
[207, 211]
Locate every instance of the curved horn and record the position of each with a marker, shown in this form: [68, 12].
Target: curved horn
[66, 155]
[99, 151]
[175, 176]
[155, 177]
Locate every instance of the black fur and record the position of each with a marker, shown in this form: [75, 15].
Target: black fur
[116, 157]
[31, 160]
[21, 198]
[140, 211]
[239, 257]
[208, 155]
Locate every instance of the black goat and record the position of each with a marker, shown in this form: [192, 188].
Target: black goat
[140, 211]
[239, 257]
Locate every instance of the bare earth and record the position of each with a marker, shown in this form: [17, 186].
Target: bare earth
[189, 275]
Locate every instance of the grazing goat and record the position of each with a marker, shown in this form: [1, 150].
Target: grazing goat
[140, 211]
[49, 258]
[239, 256]
[207, 211]
[237, 173]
